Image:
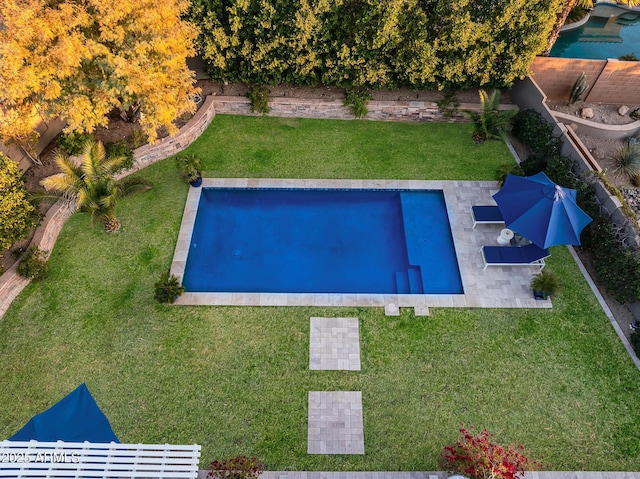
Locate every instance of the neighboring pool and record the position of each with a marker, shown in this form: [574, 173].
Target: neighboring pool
[322, 241]
[602, 37]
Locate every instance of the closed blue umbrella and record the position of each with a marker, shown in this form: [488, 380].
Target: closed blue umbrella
[75, 418]
[537, 208]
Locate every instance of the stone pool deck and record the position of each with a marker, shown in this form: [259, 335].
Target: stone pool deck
[493, 287]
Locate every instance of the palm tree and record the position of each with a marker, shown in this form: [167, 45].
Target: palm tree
[567, 6]
[90, 186]
[490, 122]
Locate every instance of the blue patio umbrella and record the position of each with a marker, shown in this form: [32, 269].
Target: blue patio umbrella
[75, 418]
[538, 209]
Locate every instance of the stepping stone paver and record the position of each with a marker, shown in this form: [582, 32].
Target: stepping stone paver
[334, 344]
[335, 422]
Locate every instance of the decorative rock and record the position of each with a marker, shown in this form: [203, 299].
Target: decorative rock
[586, 113]
[623, 110]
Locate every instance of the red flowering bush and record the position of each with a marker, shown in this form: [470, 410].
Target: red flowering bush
[239, 467]
[477, 457]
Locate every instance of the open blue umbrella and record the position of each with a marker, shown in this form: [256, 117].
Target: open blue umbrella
[537, 208]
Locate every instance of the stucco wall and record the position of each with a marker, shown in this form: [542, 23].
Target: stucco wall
[609, 81]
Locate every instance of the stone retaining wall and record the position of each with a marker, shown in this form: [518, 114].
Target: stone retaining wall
[335, 109]
[148, 154]
[11, 283]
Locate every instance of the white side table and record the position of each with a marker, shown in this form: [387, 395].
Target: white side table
[505, 237]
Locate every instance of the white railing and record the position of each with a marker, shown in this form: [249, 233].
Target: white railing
[60, 459]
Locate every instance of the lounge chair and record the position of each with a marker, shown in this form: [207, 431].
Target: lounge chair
[486, 215]
[529, 255]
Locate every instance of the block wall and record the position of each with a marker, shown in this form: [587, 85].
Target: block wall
[609, 81]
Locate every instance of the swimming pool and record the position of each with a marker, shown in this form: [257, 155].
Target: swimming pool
[610, 32]
[322, 241]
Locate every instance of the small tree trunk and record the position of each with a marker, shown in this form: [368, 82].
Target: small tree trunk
[555, 31]
[33, 158]
[112, 224]
[132, 114]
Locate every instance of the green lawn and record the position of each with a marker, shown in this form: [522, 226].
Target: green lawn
[235, 380]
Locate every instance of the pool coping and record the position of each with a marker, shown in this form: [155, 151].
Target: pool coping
[498, 277]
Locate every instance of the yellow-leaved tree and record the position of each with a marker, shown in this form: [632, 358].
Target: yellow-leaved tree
[80, 59]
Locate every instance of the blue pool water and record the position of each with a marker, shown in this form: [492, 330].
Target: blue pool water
[322, 241]
[602, 37]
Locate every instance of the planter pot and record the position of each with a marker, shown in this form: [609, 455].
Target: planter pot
[540, 295]
[195, 183]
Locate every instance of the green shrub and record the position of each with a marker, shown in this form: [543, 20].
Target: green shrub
[73, 143]
[168, 288]
[629, 57]
[534, 131]
[259, 96]
[33, 265]
[357, 99]
[560, 170]
[139, 138]
[449, 104]
[507, 169]
[239, 467]
[577, 13]
[18, 214]
[535, 163]
[616, 266]
[627, 160]
[120, 148]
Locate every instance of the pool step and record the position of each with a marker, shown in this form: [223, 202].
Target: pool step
[410, 281]
[402, 282]
[415, 280]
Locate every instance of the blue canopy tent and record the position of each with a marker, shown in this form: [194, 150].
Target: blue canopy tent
[76, 418]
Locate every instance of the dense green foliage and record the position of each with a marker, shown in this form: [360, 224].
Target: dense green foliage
[33, 265]
[72, 143]
[236, 379]
[259, 97]
[531, 129]
[120, 149]
[372, 43]
[617, 265]
[17, 214]
[357, 99]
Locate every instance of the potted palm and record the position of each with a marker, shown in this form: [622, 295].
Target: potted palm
[190, 168]
[544, 284]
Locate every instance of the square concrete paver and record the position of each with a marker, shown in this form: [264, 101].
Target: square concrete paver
[334, 344]
[335, 422]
